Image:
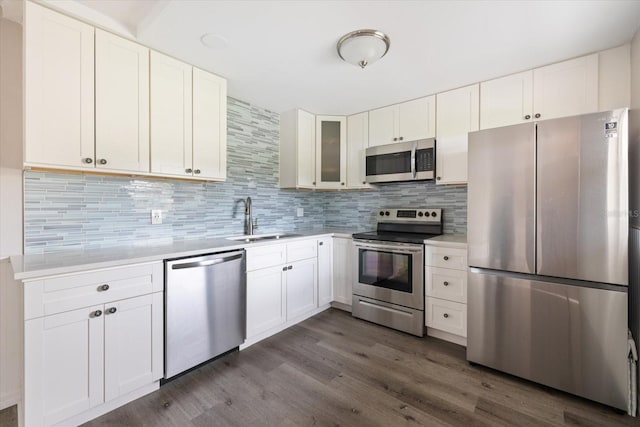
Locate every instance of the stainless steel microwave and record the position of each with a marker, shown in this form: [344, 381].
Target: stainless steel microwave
[404, 161]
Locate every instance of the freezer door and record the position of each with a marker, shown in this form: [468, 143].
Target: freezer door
[568, 337]
[582, 206]
[501, 197]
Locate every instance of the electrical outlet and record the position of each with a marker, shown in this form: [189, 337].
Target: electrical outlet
[300, 212]
[156, 216]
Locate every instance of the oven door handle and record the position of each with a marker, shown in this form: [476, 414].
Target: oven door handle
[397, 248]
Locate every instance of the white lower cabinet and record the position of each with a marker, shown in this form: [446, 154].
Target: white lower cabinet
[446, 291]
[325, 271]
[284, 283]
[343, 269]
[80, 358]
[265, 299]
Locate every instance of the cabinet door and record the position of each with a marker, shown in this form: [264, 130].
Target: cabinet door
[306, 148]
[417, 119]
[566, 89]
[133, 330]
[59, 97]
[506, 101]
[331, 151]
[325, 271]
[383, 126]
[63, 365]
[302, 287]
[209, 125]
[171, 135]
[343, 269]
[457, 115]
[265, 299]
[122, 104]
[357, 143]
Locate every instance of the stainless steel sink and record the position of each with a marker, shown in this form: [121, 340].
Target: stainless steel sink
[260, 237]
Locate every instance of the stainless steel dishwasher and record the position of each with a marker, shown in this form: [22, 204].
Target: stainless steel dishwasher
[205, 305]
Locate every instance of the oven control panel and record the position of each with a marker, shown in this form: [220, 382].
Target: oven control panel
[430, 215]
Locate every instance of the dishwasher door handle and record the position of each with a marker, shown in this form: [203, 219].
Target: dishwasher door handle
[205, 263]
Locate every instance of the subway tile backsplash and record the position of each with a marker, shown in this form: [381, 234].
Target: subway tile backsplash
[74, 211]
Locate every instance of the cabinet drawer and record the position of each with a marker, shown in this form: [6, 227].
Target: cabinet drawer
[303, 249]
[446, 257]
[446, 283]
[446, 316]
[70, 292]
[265, 256]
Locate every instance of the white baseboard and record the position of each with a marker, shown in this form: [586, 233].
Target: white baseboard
[446, 336]
[257, 338]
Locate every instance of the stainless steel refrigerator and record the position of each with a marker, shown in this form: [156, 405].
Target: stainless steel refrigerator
[548, 230]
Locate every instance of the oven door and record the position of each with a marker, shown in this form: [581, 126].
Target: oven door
[390, 272]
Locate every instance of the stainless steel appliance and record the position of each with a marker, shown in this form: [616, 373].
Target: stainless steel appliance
[404, 161]
[205, 304]
[547, 241]
[389, 289]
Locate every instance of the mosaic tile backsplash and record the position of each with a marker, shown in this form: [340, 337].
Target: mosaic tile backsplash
[69, 211]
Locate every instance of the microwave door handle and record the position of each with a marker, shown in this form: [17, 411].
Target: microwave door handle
[413, 161]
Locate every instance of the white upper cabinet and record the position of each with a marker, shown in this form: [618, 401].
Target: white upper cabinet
[331, 152]
[506, 101]
[458, 114]
[209, 126]
[59, 84]
[171, 127]
[409, 121]
[566, 89]
[297, 149]
[122, 104]
[357, 143]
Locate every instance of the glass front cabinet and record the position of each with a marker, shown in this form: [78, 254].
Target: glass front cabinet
[331, 152]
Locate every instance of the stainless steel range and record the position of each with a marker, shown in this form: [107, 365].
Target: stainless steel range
[389, 286]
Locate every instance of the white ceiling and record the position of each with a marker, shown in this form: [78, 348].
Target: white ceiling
[281, 54]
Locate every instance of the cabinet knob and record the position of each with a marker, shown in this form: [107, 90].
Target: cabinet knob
[97, 313]
[537, 116]
[320, 243]
[103, 161]
[284, 268]
[438, 178]
[104, 288]
[88, 160]
[401, 138]
[527, 117]
[364, 182]
[290, 267]
[112, 310]
[395, 139]
[342, 183]
[446, 258]
[445, 315]
[446, 283]
[188, 170]
[314, 183]
[197, 171]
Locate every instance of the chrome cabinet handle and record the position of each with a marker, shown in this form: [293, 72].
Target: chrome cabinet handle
[188, 170]
[446, 258]
[527, 117]
[97, 313]
[538, 115]
[103, 161]
[112, 310]
[88, 160]
[445, 315]
[104, 287]
[446, 283]
[197, 171]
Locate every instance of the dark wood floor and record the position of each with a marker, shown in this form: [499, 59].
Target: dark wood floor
[336, 370]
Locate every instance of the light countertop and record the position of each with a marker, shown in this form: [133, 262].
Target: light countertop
[449, 240]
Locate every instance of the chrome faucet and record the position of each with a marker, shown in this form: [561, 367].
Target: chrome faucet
[248, 220]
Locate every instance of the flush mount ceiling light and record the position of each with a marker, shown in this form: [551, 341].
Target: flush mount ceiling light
[363, 47]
